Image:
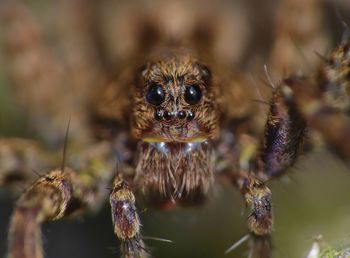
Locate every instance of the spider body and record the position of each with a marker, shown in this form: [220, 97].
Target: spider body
[175, 133]
[177, 108]
[176, 117]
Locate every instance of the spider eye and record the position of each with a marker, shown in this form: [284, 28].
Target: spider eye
[193, 94]
[155, 95]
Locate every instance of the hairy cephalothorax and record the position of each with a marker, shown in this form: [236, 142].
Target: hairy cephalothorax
[175, 117]
[173, 110]
[175, 101]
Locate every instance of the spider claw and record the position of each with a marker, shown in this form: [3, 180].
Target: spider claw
[260, 246]
[134, 248]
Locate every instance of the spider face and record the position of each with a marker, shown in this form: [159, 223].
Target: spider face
[175, 101]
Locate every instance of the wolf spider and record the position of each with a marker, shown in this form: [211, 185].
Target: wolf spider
[153, 89]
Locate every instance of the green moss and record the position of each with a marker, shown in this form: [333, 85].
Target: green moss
[329, 253]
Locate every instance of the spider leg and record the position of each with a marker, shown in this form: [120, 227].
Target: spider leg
[333, 124]
[59, 193]
[126, 220]
[53, 196]
[296, 103]
[257, 197]
[324, 99]
[284, 132]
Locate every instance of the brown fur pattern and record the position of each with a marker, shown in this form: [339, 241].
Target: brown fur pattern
[174, 71]
[48, 198]
[258, 200]
[323, 100]
[174, 157]
[126, 220]
[305, 95]
[284, 132]
[59, 193]
[174, 170]
[334, 78]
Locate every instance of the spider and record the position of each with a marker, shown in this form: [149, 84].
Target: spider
[166, 105]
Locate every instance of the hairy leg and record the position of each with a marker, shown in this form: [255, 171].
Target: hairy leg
[324, 99]
[59, 193]
[332, 124]
[258, 200]
[236, 150]
[126, 220]
[53, 196]
[317, 102]
[284, 132]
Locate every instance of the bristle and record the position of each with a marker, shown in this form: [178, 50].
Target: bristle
[174, 170]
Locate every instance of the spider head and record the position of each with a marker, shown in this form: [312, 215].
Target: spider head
[175, 101]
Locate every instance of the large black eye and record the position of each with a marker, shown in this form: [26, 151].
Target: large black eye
[155, 95]
[193, 94]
